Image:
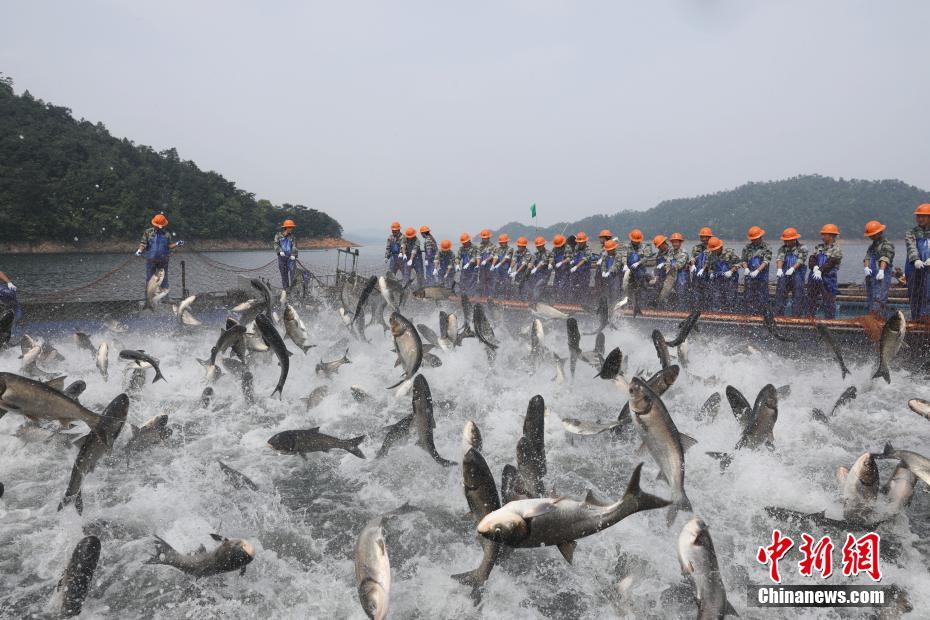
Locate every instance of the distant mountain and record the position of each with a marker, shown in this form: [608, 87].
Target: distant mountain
[803, 202]
[62, 179]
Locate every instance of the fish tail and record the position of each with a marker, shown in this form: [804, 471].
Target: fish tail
[472, 579]
[883, 373]
[644, 501]
[351, 445]
[683, 503]
[279, 390]
[161, 549]
[158, 376]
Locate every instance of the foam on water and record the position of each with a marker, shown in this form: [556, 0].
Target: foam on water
[306, 516]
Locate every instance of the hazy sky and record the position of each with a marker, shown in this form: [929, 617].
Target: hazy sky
[462, 114]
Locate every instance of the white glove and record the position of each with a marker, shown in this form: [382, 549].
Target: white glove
[727, 274]
[919, 264]
[138, 252]
[574, 269]
[867, 271]
[494, 267]
[700, 273]
[458, 268]
[816, 273]
[435, 272]
[293, 258]
[789, 271]
[779, 273]
[485, 262]
[605, 274]
[660, 267]
[599, 261]
[549, 267]
[713, 275]
[410, 263]
[754, 273]
[635, 265]
[626, 269]
[745, 271]
[11, 286]
[880, 275]
[281, 254]
[467, 265]
[533, 271]
[513, 276]
[693, 268]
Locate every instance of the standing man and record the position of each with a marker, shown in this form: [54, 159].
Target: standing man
[444, 272]
[559, 260]
[917, 242]
[671, 261]
[756, 258]
[609, 272]
[520, 266]
[822, 285]
[791, 265]
[500, 265]
[541, 268]
[698, 257]
[8, 295]
[485, 254]
[156, 246]
[286, 247]
[878, 268]
[430, 249]
[392, 251]
[467, 264]
[410, 252]
[580, 270]
[721, 276]
[636, 255]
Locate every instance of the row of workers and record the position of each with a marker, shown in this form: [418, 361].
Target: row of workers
[706, 278]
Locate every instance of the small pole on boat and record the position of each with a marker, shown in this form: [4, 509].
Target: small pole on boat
[184, 293]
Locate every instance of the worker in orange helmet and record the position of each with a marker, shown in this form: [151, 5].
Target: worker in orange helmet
[608, 273]
[561, 255]
[501, 262]
[637, 253]
[520, 265]
[699, 255]
[539, 270]
[286, 248]
[601, 284]
[444, 272]
[721, 273]
[467, 264]
[791, 265]
[917, 243]
[824, 263]
[410, 253]
[485, 254]
[671, 261]
[430, 250]
[877, 265]
[580, 268]
[756, 258]
[392, 250]
[156, 246]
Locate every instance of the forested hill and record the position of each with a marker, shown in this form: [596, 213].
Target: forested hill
[63, 179]
[804, 202]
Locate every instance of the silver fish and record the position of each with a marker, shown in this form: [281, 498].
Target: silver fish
[408, 344]
[230, 555]
[78, 577]
[373, 571]
[103, 359]
[152, 289]
[889, 344]
[698, 561]
[859, 488]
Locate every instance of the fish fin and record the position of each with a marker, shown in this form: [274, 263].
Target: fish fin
[289, 353]
[672, 514]
[158, 376]
[391, 387]
[58, 383]
[841, 474]
[216, 537]
[540, 509]
[201, 549]
[242, 570]
[568, 550]
[883, 373]
[315, 429]
[819, 415]
[591, 500]
[161, 548]
[642, 450]
[660, 477]
[352, 446]
[469, 578]
[279, 391]
[687, 441]
[724, 458]
[729, 611]
[134, 429]
[644, 501]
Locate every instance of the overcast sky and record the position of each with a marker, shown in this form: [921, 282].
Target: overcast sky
[461, 115]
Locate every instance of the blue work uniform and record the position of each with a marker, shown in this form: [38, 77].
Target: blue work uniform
[723, 290]
[610, 276]
[666, 262]
[698, 282]
[756, 288]
[821, 294]
[287, 267]
[880, 250]
[917, 242]
[500, 277]
[579, 281]
[791, 285]
[485, 281]
[392, 252]
[445, 266]
[430, 250]
[468, 276]
[560, 282]
[537, 276]
[157, 249]
[413, 264]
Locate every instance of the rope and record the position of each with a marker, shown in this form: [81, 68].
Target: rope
[84, 286]
[220, 265]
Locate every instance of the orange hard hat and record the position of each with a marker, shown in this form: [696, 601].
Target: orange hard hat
[658, 240]
[445, 244]
[677, 237]
[636, 235]
[755, 233]
[522, 242]
[714, 244]
[503, 238]
[395, 225]
[610, 245]
[923, 209]
[873, 228]
[410, 233]
[424, 229]
[605, 234]
[160, 220]
[288, 224]
[789, 234]
[558, 241]
[464, 238]
[539, 242]
[485, 234]
[829, 229]
[581, 237]
[706, 232]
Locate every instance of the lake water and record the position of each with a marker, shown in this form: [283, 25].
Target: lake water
[36, 274]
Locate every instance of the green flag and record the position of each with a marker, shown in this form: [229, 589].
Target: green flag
[533, 210]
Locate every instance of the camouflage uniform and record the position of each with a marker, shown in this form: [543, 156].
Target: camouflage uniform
[880, 250]
[520, 271]
[821, 294]
[392, 252]
[485, 279]
[467, 264]
[678, 260]
[721, 290]
[756, 289]
[445, 266]
[285, 248]
[502, 260]
[430, 250]
[791, 285]
[917, 242]
[411, 253]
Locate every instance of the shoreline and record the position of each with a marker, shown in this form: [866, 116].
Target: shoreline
[203, 245]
